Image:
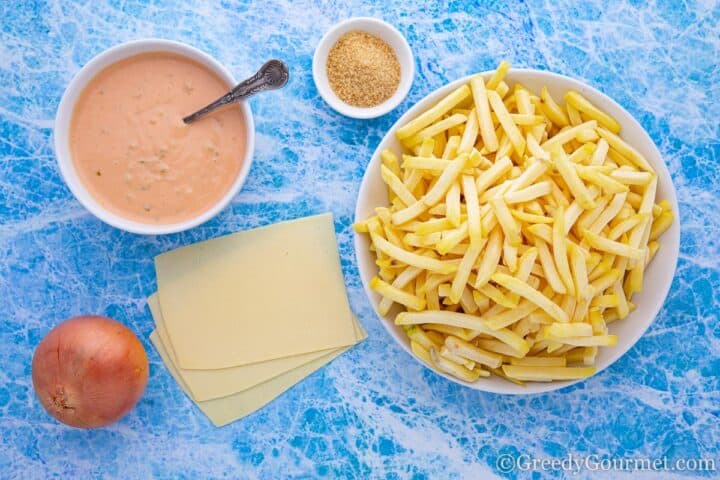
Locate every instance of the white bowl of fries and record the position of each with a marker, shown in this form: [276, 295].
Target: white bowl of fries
[507, 227]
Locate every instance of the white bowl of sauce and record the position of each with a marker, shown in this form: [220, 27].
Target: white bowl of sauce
[126, 154]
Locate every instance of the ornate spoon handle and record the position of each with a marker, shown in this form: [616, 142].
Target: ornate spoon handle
[271, 76]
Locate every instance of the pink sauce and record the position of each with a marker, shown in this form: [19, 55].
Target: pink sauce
[132, 150]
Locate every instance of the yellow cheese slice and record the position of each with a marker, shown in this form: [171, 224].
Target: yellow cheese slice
[208, 384]
[224, 410]
[257, 295]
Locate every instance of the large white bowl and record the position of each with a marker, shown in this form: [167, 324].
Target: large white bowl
[64, 116]
[658, 276]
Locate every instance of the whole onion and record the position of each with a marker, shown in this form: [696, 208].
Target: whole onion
[89, 371]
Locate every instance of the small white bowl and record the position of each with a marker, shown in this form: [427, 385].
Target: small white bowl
[64, 116]
[389, 35]
[658, 276]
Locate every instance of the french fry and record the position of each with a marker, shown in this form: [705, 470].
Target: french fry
[482, 107]
[511, 315]
[422, 353]
[560, 251]
[522, 100]
[444, 181]
[482, 302]
[511, 130]
[542, 231]
[455, 319]
[400, 282]
[568, 173]
[534, 170]
[417, 334]
[396, 294]
[470, 134]
[509, 254]
[498, 75]
[497, 296]
[432, 226]
[526, 263]
[526, 120]
[448, 354]
[389, 160]
[521, 288]
[507, 222]
[415, 240]
[467, 303]
[397, 186]
[624, 149]
[451, 147]
[539, 362]
[583, 105]
[497, 346]
[579, 271]
[604, 301]
[425, 163]
[473, 209]
[463, 272]
[548, 266]
[573, 212]
[490, 259]
[546, 374]
[609, 213]
[566, 330]
[434, 113]
[453, 368]
[605, 182]
[493, 174]
[567, 135]
[661, 224]
[589, 216]
[471, 352]
[600, 153]
[535, 149]
[573, 115]
[527, 194]
[440, 142]
[628, 177]
[452, 204]
[530, 217]
[410, 258]
[595, 340]
[552, 110]
[616, 248]
[439, 329]
[409, 213]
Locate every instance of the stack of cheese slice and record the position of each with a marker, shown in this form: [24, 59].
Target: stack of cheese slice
[242, 318]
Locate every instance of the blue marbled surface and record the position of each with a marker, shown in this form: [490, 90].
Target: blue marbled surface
[374, 412]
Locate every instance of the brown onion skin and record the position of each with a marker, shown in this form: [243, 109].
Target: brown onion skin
[89, 371]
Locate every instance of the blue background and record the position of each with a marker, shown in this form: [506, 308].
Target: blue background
[374, 412]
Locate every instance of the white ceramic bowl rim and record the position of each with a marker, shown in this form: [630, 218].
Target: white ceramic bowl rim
[64, 115]
[659, 274]
[387, 33]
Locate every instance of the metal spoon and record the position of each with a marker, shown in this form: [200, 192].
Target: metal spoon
[271, 76]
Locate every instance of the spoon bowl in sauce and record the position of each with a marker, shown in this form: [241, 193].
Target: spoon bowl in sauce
[125, 152]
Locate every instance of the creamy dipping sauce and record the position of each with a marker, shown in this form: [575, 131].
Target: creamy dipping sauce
[132, 150]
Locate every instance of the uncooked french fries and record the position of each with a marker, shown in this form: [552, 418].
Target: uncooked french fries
[517, 229]
[429, 117]
[503, 116]
[582, 105]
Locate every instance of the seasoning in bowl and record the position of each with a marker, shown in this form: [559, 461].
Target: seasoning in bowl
[362, 69]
